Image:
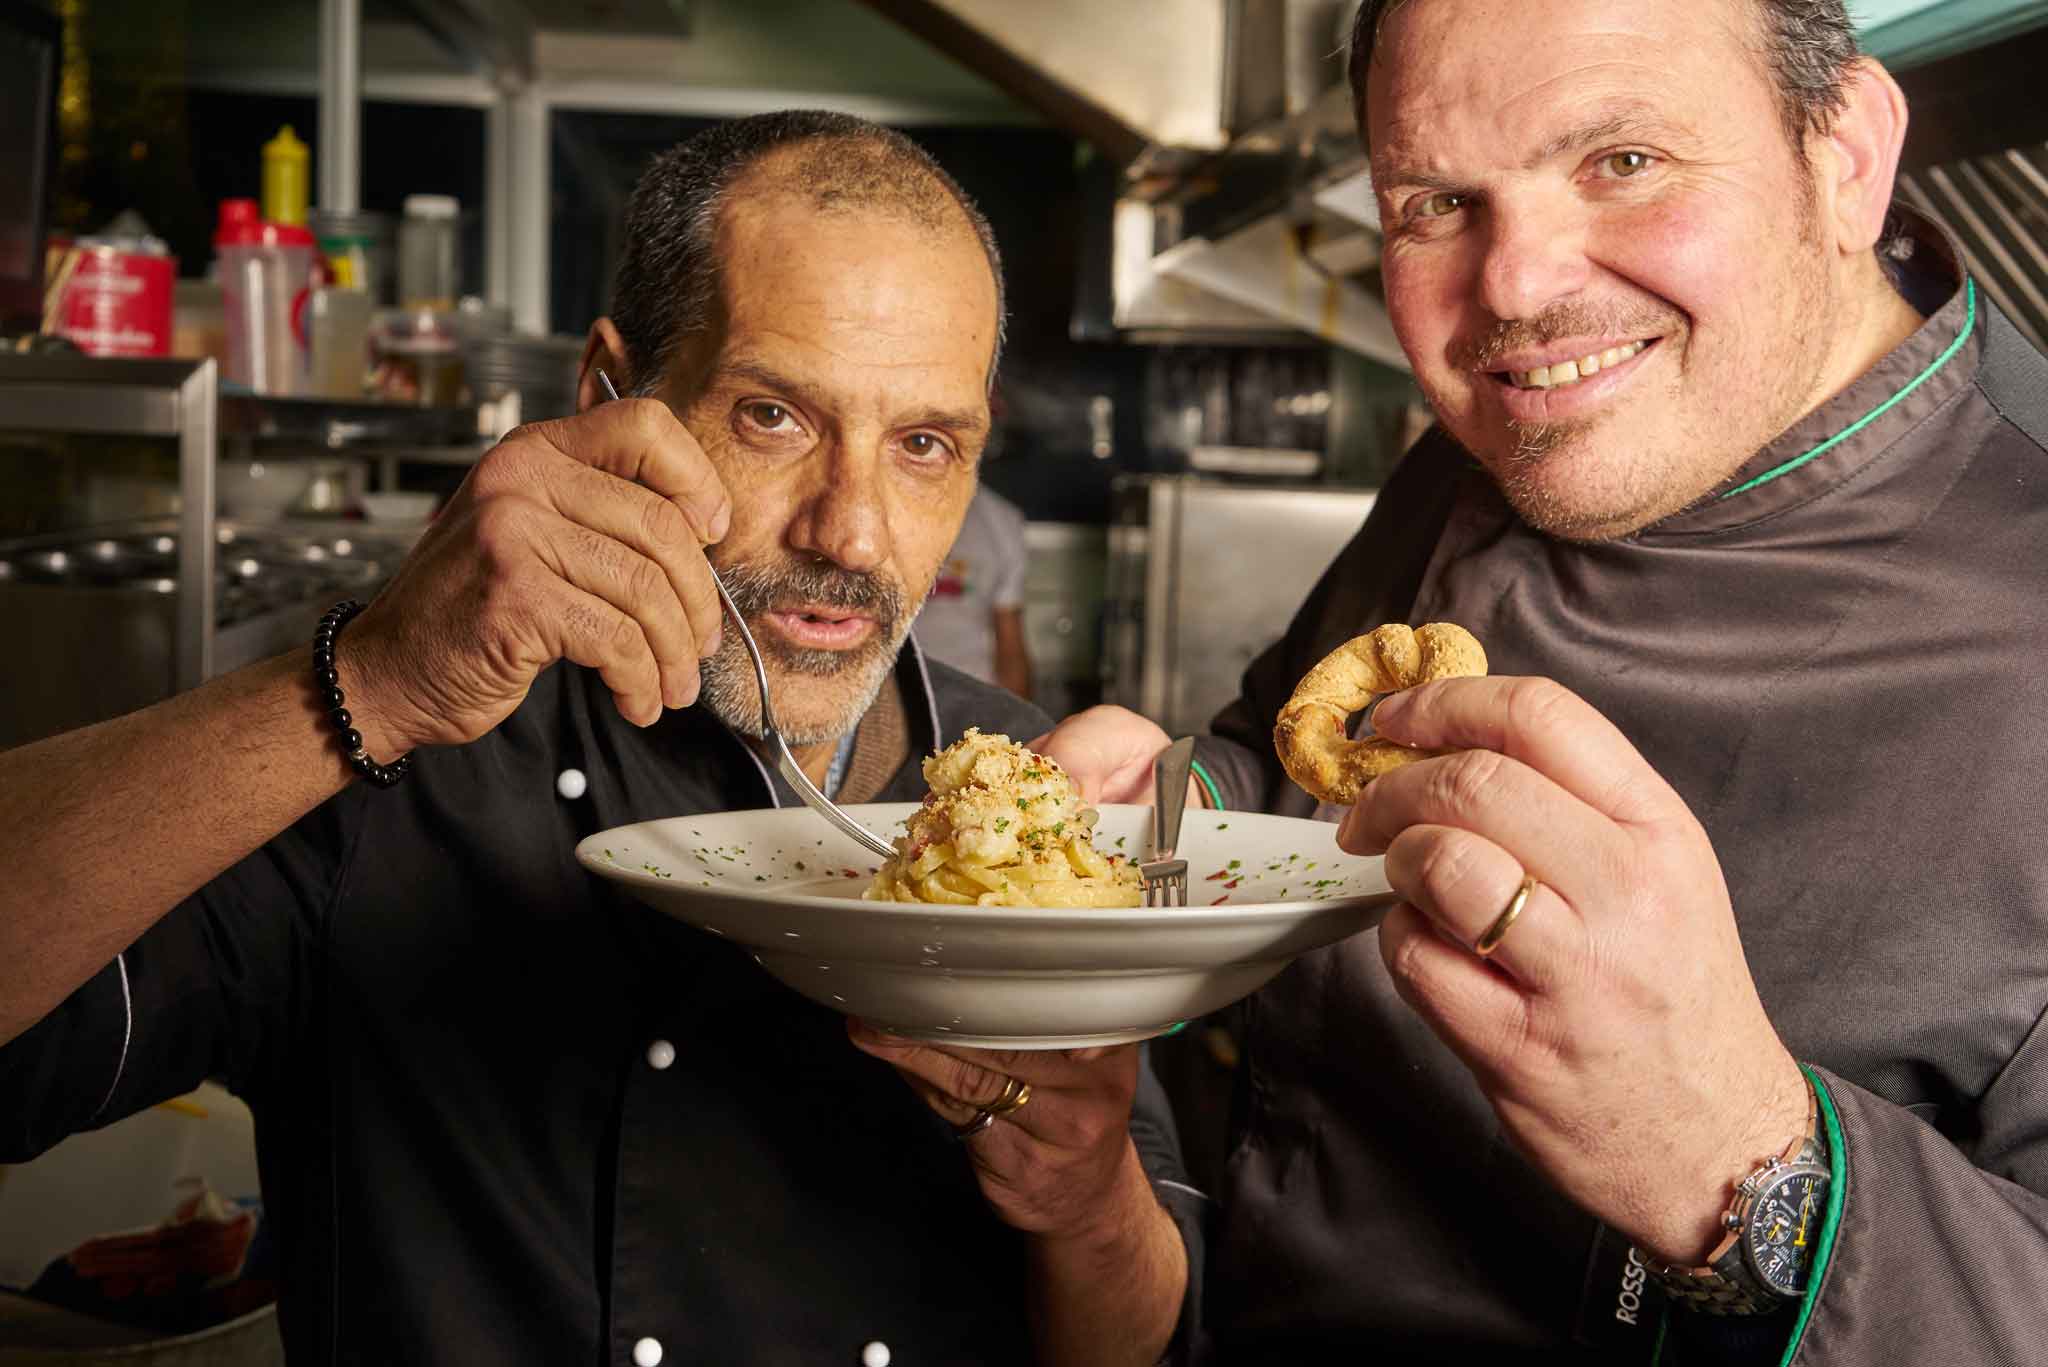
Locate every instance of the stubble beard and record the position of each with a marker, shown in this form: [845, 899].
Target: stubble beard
[1667, 484]
[818, 695]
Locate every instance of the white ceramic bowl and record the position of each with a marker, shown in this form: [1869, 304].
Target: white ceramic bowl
[397, 506]
[1262, 890]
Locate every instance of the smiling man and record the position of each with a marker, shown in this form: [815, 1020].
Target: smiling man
[1708, 1030]
[504, 1114]
[1615, 287]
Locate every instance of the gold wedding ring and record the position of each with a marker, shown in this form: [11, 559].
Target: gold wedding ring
[1015, 1095]
[1490, 938]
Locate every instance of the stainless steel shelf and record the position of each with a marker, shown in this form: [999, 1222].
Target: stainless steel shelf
[336, 425]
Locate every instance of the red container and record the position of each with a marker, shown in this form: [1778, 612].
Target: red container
[118, 301]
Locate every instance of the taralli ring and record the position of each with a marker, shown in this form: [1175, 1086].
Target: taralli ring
[1312, 734]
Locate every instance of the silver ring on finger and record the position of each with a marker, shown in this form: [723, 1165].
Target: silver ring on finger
[983, 1118]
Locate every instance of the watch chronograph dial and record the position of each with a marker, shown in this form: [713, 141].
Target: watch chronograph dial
[1782, 1226]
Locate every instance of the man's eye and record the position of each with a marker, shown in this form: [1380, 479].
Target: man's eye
[1622, 165]
[1438, 205]
[768, 415]
[924, 445]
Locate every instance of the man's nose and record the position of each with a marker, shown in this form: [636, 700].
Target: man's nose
[1535, 256]
[844, 517]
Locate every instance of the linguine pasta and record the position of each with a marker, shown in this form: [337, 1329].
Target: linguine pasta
[1002, 827]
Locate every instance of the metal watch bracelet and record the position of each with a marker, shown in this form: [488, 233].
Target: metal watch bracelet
[1726, 1284]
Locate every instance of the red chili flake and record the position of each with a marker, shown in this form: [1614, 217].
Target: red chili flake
[1232, 884]
[1217, 876]
[849, 873]
[1221, 900]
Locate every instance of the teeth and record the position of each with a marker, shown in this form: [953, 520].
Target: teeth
[1570, 372]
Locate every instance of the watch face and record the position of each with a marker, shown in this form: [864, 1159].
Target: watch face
[1783, 1226]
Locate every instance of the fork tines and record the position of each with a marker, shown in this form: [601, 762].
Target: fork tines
[1166, 882]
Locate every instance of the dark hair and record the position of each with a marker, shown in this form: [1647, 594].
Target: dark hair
[1809, 45]
[668, 287]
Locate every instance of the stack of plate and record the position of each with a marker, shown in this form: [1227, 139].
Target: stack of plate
[540, 370]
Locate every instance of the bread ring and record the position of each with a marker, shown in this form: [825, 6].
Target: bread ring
[1312, 735]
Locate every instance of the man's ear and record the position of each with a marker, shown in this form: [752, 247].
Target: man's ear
[603, 350]
[1858, 159]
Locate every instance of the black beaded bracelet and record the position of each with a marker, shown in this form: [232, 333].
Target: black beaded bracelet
[327, 684]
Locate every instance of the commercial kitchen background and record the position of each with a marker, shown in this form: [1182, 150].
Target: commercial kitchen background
[1199, 361]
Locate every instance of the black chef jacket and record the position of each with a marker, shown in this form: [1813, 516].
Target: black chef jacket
[1840, 661]
[470, 1150]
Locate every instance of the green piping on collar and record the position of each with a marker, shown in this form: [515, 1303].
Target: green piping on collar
[1208, 784]
[1969, 326]
[1838, 1173]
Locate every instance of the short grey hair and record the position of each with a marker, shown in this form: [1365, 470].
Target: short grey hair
[669, 285]
[1809, 46]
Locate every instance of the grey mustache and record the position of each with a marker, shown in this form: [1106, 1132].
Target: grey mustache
[759, 588]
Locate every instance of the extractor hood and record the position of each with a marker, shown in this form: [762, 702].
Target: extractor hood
[1242, 212]
[1243, 208]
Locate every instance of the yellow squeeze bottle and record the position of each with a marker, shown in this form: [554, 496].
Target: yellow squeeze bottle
[286, 172]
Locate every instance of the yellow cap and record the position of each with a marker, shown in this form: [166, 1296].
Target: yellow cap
[286, 172]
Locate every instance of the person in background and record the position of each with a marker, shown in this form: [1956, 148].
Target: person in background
[505, 1114]
[1713, 1025]
[974, 620]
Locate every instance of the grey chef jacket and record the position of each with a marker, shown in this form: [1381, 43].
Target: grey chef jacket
[469, 1151]
[1840, 661]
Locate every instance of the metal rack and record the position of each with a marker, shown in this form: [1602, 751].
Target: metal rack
[111, 603]
[172, 400]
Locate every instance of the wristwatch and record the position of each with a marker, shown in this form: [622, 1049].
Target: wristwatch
[1772, 1223]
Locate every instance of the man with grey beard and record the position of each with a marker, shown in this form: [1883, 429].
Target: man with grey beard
[505, 1115]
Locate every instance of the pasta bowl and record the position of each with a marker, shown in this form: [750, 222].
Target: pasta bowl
[1261, 891]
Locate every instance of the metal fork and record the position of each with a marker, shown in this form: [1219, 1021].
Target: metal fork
[1166, 878]
[785, 763]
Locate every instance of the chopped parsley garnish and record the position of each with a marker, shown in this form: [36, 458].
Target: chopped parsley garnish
[1002, 824]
